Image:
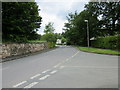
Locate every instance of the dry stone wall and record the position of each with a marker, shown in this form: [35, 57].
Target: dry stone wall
[9, 50]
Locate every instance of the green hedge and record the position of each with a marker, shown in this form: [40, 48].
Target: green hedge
[109, 42]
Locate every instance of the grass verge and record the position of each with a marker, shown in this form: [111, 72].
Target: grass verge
[100, 51]
[35, 41]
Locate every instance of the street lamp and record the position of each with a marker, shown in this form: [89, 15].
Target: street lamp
[87, 33]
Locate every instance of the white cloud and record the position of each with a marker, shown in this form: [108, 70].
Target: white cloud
[58, 22]
[56, 12]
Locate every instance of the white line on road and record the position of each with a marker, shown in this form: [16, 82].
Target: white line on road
[57, 65]
[19, 84]
[72, 56]
[44, 77]
[31, 85]
[46, 71]
[61, 67]
[75, 54]
[53, 72]
[66, 59]
[35, 76]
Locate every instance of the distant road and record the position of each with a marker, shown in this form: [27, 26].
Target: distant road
[63, 67]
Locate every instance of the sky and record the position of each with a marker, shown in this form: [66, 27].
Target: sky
[56, 11]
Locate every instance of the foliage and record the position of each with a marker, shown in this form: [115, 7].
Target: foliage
[75, 29]
[35, 41]
[20, 21]
[51, 45]
[109, 42]
[49, 28]
[101, 51]
[108, 14]
[49, 37]
[63, 40]
[103, 20]
[34, 36]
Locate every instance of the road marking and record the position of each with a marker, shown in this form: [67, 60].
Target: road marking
[46, 71]
[19, 84]
[44, 77]
[75, 54]
[53, 72]
[57, 65]
[66, 59]
[61, 67]
[35, 76]
[31, 85]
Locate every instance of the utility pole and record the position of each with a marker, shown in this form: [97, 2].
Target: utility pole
[87, 34]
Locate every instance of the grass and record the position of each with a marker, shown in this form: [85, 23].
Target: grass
[35, 41]
[97, 50]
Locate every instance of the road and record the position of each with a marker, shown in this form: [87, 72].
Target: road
[63, 67]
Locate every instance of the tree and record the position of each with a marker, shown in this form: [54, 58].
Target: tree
[75, 29]
[103, 19]
[109, 13]
[49, 28]
[49, 37]
[20, 21]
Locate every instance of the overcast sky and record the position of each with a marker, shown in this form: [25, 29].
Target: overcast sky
[56, 11]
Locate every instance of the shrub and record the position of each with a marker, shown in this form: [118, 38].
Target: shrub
[109, 42]
[51, 45]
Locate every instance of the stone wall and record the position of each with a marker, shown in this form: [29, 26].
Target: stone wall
[9, 50]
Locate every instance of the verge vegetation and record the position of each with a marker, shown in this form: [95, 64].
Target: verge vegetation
[36, 41]
[97, 50]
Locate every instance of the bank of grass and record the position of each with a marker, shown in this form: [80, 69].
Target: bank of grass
[36, 41]
[100, 51]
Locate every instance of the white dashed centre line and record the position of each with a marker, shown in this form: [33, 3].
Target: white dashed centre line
[19, 84]
[66, 59]
[35, 76]
[53, 72]
[44, 77]
[75, 54]
[57, 65]
[61, 67]
[31, 85]
[46, 71]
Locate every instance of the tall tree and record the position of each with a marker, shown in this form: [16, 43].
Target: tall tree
[75, 29]
[109, 14]
[49, 28]
[20, 21]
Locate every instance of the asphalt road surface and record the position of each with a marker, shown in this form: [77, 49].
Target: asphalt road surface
[63, 67]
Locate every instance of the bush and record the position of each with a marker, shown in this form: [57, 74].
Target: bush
[49, 37]
[109, 42]
[51, 45]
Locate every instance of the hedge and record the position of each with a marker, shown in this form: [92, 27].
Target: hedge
[109, 42]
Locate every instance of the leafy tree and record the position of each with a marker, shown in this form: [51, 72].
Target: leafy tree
[49, 28]
[76, 31]
[109, 13]
[63, 40]
[103, 20]
[20, 21]
[49, 37]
